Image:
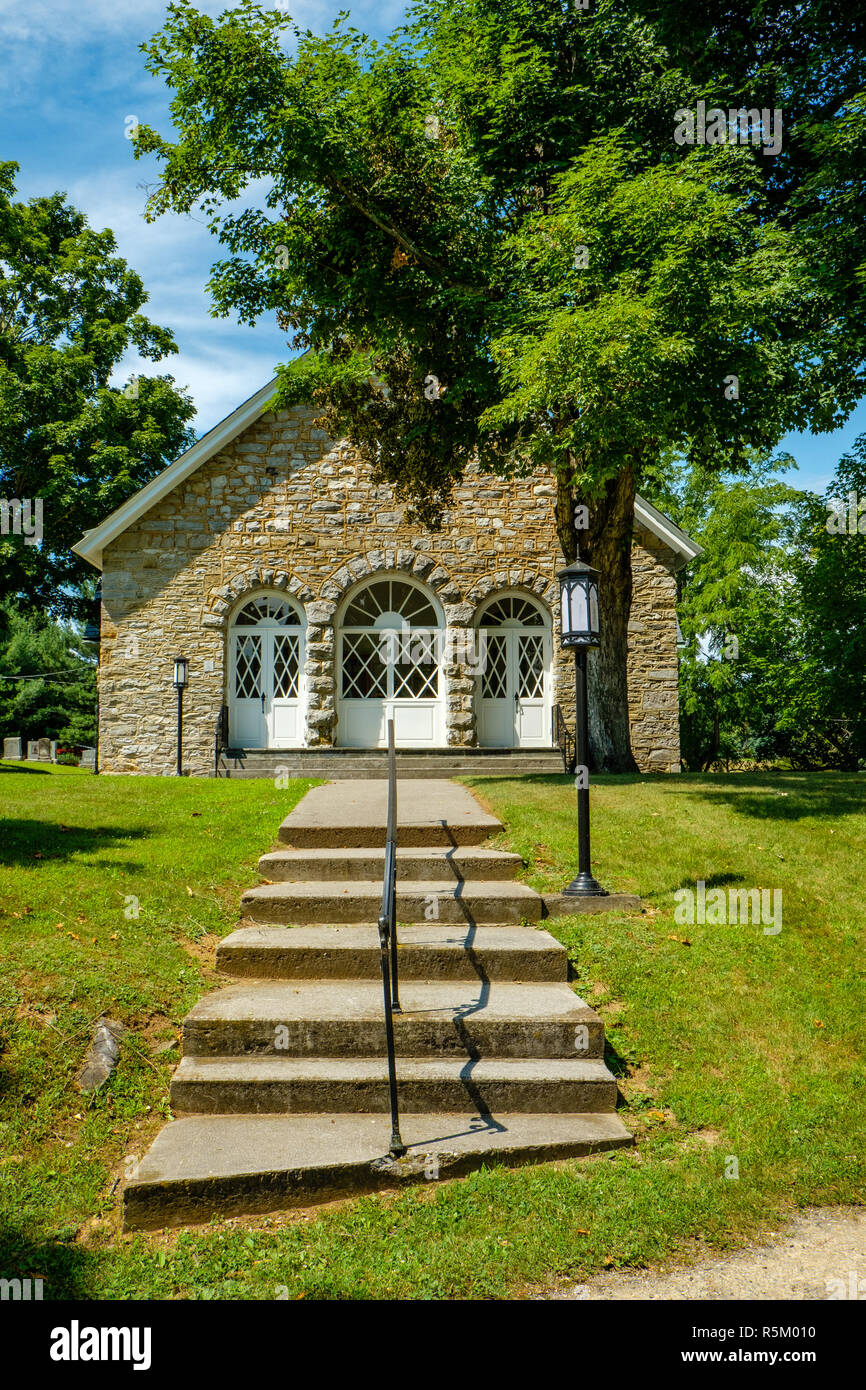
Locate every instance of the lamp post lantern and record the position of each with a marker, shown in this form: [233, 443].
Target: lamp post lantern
[578, 585]
[181, 671]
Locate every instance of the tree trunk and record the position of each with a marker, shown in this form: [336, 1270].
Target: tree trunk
[714, 747]
[606, 545]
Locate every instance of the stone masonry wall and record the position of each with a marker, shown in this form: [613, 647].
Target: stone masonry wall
[653, 700]
[283, 507]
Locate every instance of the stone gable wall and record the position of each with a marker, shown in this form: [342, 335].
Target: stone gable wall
[283, 507]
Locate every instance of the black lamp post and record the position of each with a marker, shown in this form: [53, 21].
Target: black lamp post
[181, 671]
[580, 628]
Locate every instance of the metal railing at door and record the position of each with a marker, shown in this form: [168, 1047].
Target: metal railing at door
[221, 738]
[562, 738]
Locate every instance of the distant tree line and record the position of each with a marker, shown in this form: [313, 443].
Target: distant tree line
[773, 619]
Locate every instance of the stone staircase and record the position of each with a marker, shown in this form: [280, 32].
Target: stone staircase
[283, 1087]
[332, 763]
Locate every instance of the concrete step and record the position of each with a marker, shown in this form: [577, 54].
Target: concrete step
[343, 1018]
[352, 814]
[234, 1165]
[246, 773]
[341, 901]
[341, 763]
[425, 953]
[292, 1085]
[469, 864]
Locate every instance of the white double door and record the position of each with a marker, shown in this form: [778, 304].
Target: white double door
[381, 680]
[265, 693]
[513, 700]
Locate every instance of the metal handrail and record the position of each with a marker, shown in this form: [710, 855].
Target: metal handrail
[388, 942]
[221, 740]
[563, 739]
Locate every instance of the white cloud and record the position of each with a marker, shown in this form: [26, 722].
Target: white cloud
[72, 72]
[220, 361]
[74, 22]
[219, 379]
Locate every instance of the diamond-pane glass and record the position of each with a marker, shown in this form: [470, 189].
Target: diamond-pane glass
[512, 609]
[248, 667]
[530, 668]
[364, 675]
[416, 681]
[287, 647]
[494, 681]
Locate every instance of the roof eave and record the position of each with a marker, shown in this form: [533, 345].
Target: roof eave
[661, 526]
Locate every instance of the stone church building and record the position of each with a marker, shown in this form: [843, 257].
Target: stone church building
[310, 612]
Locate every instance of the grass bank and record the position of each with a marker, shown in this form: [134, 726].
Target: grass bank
[728, 1044]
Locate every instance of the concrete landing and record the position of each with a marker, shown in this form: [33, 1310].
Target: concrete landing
[353, 814]
[224, 1165]
[355, 763]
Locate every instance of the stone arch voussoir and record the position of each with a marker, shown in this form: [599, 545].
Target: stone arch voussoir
[538, 585]
[221, 600]
[420, 566]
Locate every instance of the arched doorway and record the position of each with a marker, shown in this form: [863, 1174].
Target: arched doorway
[514, 686]
[390, 656]
[265, 666]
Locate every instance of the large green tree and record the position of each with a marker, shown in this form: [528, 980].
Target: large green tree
[47, 679]
[486, 234]
[772, 615]
[830, 567]
[71, 446]
[739, 609]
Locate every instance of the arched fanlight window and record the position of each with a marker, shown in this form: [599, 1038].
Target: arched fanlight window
[390, 603]
[267, 608]
[512, 611]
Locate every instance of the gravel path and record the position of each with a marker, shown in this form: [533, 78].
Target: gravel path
[819, 1254]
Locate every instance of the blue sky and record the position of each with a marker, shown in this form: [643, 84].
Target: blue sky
[72, 74]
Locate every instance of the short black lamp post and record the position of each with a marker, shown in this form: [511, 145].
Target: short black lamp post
[580, 627]
[181, 672]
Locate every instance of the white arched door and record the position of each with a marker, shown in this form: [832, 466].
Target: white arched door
[390, 652]
[266, 656]
[514, 685]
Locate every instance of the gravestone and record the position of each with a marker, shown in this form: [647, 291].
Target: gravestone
[33, 750]
[44, 747]
[88, 757]
[12, 748]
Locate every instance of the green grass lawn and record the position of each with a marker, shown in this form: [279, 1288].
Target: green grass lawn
[728, 1044]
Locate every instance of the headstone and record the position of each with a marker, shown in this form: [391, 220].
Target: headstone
[12, 748]
[88, 757]
[33, 750]
[54, 750]
[44, 747]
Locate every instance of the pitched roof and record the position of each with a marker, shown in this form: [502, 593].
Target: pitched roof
[94, 541]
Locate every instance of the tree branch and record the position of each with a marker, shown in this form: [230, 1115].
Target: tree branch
[429, 261]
